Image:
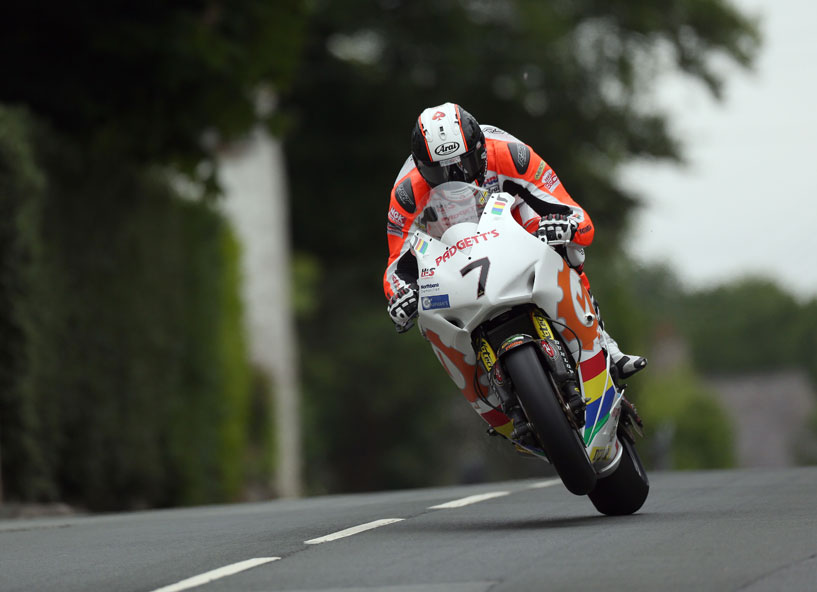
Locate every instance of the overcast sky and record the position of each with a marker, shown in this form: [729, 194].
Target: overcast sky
[747, 202]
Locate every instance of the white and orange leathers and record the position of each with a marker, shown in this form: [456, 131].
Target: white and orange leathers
[513, 167]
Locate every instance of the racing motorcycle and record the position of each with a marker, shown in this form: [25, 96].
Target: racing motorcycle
[517, 332]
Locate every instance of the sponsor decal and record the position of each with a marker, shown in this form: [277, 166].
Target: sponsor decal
[396, 217]
[392, 228]
[438, 115]
[542, 325]
[427, 272]
[486, 354]
[446, 148]
[405, 196]
[491, 184]
[430, 288]
[435, 302]
[420, 246]
[539, 171]
[520, 154]
[600, 453]
[464, 244]
[498, 374]
[499, 206]
[493, 130]
[548, 349]
[512, 342]
[585, 229]
[550, 180]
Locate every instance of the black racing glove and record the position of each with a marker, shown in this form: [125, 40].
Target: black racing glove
[556, 229]
[403, 307]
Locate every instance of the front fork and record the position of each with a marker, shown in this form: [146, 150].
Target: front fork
[552, 353]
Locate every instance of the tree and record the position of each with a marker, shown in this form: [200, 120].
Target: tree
[157, 83]
[747, 325]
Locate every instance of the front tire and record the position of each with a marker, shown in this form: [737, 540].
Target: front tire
[542, 405]
[625, 491]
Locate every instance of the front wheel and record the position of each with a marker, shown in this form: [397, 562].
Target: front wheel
[542, 405]
[625, 491]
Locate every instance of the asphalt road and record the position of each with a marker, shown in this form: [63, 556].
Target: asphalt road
[747, 530]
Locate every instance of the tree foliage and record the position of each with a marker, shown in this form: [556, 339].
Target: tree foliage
[688, 429]
[125, 380]
[153, 82]
[747, 325]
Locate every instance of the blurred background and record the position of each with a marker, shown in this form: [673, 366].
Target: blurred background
[192, 236]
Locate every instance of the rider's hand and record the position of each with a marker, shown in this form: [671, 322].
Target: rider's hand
[556, 229]
[403, 307]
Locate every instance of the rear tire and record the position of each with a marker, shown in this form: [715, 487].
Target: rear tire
[625, 491]
[562, 443]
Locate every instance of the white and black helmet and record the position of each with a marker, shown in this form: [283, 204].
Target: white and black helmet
[447, 144]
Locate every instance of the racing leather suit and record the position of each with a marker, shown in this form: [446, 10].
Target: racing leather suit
[513, 167]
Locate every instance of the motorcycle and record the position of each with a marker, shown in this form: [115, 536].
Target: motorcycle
[517, 332]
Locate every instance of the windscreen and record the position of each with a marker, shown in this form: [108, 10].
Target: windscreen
[453, 203]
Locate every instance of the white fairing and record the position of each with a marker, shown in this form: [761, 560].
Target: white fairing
[471, 271]
[522, 270]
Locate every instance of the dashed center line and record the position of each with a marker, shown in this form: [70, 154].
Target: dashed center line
[471, 499]
[353, 530]
[221, 572]
[541, 484]
[235, 568]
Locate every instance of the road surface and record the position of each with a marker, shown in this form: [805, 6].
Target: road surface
[747, 530]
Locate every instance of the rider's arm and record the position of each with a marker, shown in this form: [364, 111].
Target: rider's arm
[524, 173]
[403, 209]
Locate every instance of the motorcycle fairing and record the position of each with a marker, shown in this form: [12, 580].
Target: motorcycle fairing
[525, 270]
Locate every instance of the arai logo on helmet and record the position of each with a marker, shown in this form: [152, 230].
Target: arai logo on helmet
[446, 148]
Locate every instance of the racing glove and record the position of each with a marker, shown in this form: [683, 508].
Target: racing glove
[403, 307]
[556, 229]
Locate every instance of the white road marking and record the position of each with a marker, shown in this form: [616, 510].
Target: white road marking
[221, 572]
[354, 530]
[541, 484]
[467, 501]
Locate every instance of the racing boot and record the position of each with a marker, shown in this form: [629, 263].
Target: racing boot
[626, 365]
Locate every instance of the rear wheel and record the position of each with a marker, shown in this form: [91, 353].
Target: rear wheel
[625, 491]
[544, 410]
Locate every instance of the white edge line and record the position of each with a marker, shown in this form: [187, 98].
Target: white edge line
[215, 574]
[471, 499]
[541, 484]
[353, 530]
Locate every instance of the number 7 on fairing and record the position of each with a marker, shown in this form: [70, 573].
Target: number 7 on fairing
[484, 264]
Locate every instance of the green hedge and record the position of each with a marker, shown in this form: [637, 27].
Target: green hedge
[123, 370]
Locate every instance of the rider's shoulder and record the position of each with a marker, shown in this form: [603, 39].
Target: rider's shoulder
[407, 167]
[497, 134]
[409, 189]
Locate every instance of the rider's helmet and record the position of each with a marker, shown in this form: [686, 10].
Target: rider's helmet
[447, 144]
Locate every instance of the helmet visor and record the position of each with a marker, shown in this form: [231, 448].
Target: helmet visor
[466, 167]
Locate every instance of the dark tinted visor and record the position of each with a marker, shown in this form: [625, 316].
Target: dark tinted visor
[466, 167]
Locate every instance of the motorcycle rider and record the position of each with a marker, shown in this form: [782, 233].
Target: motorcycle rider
[447, 144]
